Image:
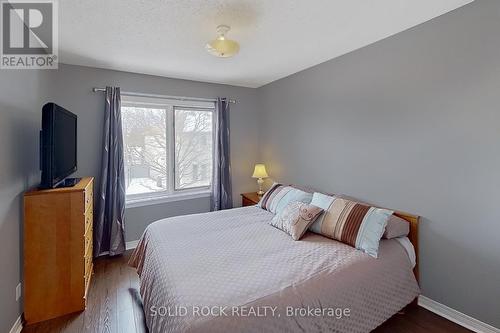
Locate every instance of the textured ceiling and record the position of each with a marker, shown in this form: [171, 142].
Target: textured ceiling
[277, 37]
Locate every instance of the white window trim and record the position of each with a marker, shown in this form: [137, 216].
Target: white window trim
[172, 194]
[169, 197]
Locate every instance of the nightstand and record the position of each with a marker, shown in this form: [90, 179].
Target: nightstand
[249, 199]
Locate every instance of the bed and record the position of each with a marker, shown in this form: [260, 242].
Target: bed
[231, 271]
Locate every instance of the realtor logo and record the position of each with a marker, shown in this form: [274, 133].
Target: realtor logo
[29, 37]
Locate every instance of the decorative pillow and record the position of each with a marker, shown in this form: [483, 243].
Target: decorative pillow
[396, 227]
[349, 222]
[296, 218]
[280, 195]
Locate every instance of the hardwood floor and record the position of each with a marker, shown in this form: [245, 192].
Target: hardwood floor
[114, 305]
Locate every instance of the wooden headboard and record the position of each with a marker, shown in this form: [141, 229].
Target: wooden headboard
[413, 236]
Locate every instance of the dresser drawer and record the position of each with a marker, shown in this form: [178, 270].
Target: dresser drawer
[87, 282]
[88, 266]
[88, 245]
[88, 195]
[87, 279]
[88, 236]
[89, 219]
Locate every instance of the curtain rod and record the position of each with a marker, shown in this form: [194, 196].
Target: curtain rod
[179, 98]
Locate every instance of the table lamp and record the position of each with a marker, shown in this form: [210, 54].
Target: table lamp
[260, 172]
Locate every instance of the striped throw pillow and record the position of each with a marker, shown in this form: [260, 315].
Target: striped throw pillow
[279, 196]
[355, 224]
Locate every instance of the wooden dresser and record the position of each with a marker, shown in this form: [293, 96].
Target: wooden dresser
[58, 226]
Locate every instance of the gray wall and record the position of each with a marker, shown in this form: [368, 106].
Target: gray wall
[71, 88]
[21, 95]
[412, 123]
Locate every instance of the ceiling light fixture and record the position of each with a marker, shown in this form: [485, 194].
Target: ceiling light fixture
[221, 46]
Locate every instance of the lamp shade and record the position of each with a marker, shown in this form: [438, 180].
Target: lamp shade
[259, 171]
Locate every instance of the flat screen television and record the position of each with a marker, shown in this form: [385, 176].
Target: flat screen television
[57, 145]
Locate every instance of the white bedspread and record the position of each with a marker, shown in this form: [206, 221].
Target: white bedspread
[234, 260]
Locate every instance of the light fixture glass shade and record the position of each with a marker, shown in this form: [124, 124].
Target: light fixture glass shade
[260, 171]
[221, 46]
[224, 48]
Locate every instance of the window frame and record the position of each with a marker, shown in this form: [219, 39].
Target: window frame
[171, 193]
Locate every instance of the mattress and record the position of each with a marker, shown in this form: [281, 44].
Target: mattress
[231, 271]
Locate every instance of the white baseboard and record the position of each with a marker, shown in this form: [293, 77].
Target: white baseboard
[18, 326]
[456, 316]
[131, 245]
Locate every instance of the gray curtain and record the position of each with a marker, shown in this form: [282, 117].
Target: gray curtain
[222, 197]
[109, 234]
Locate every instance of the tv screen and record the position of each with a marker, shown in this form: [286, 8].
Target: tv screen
[58, 144]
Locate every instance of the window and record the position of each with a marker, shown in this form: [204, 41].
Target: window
[193, 147]
[168, 147]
